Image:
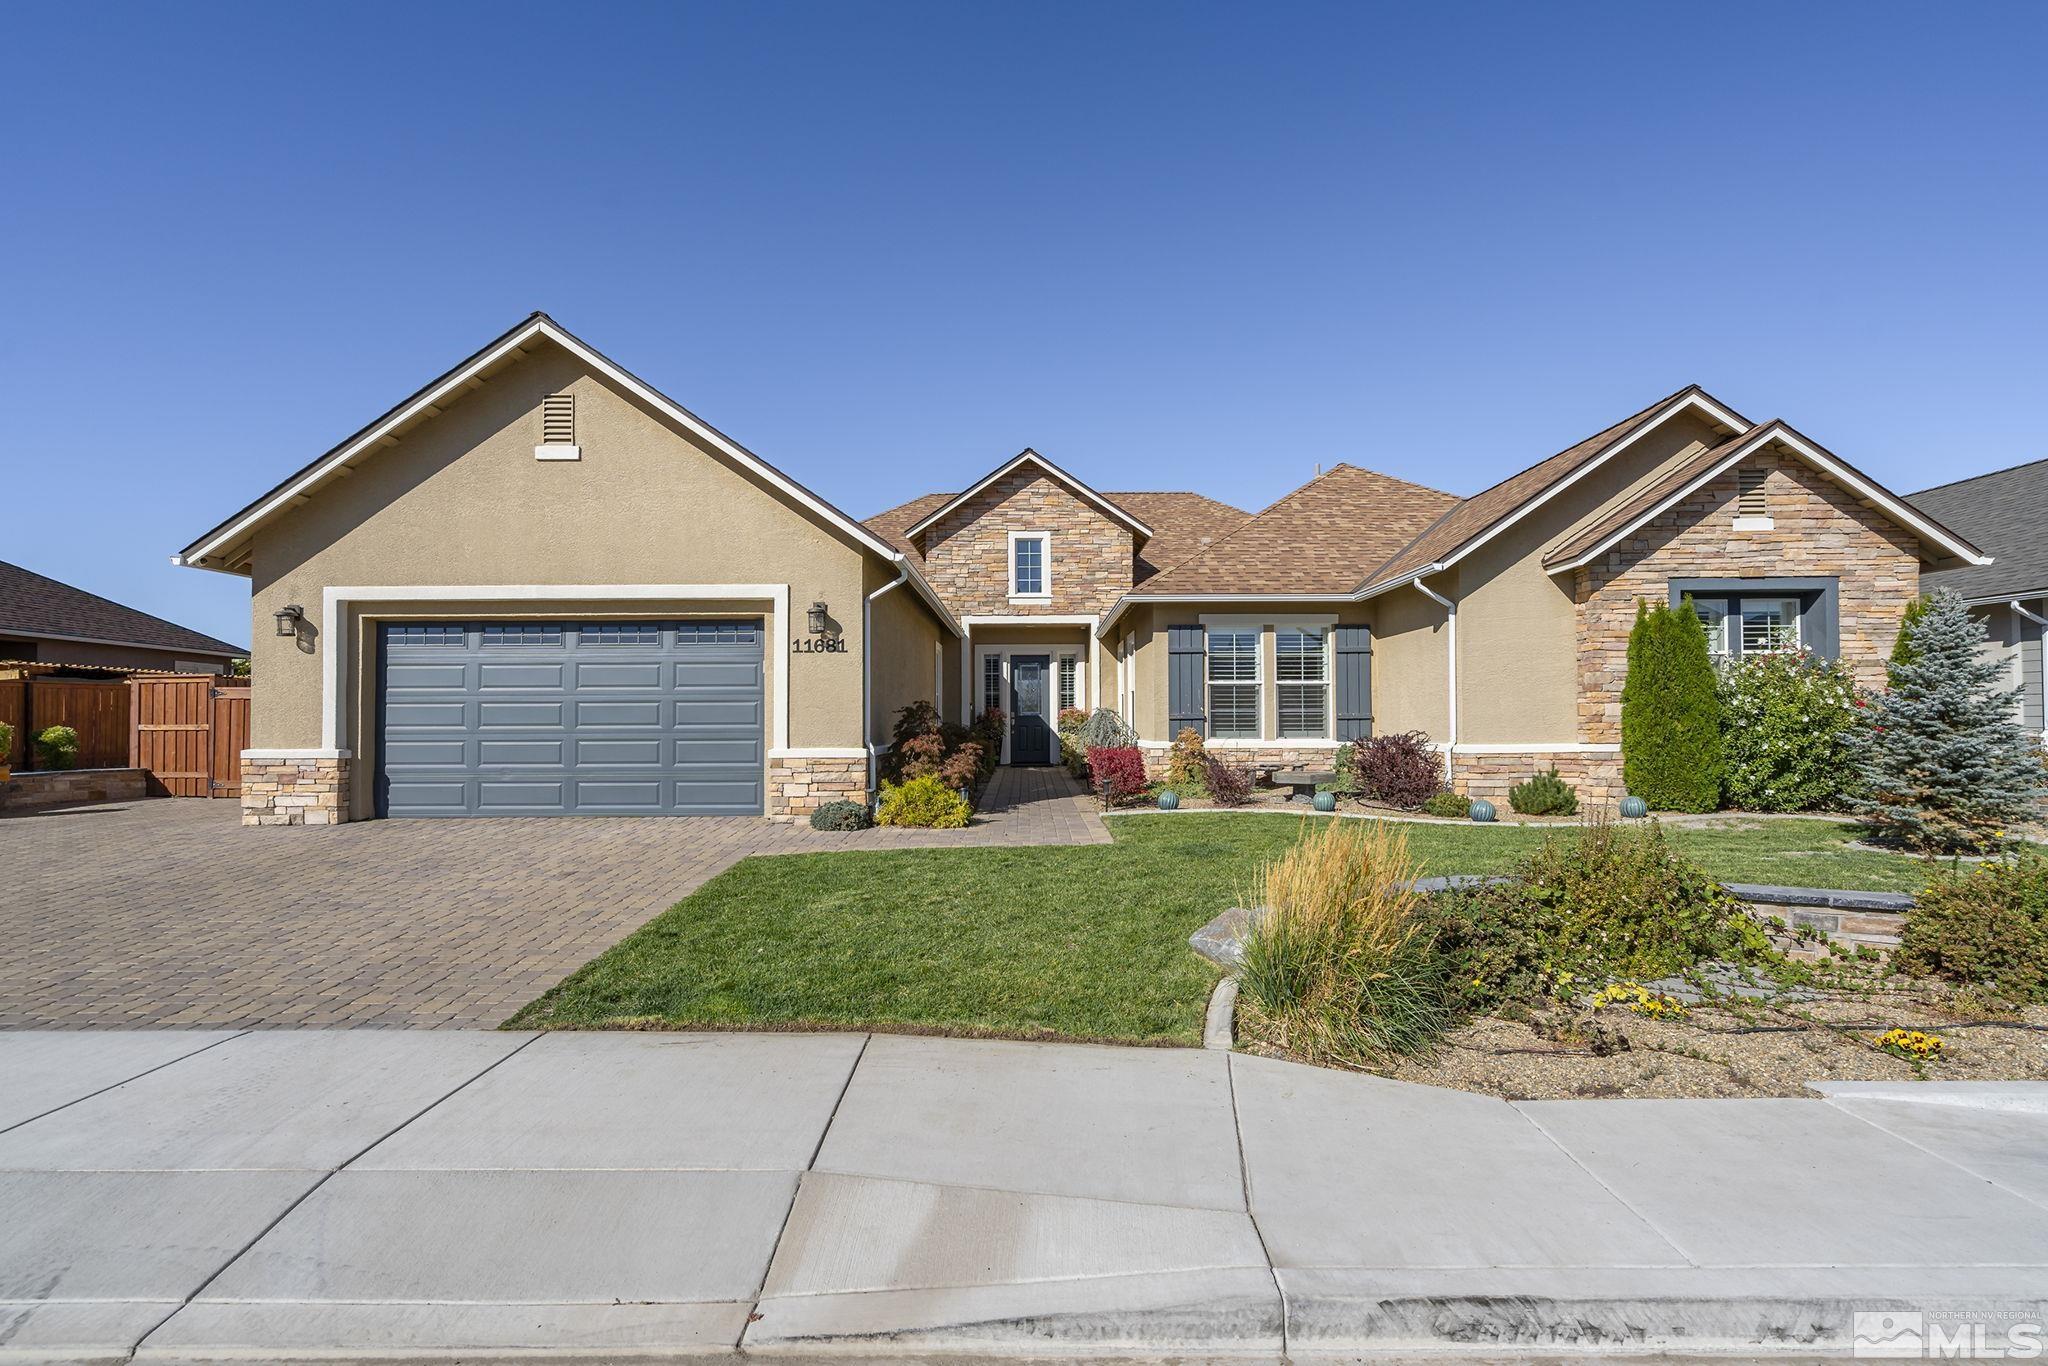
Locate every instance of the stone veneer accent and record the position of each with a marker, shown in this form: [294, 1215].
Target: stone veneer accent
[302, 790]
[73, 786]
[1596, 777]
[1818, 530]
[799, 785]
[1260, 760]
[967, 552]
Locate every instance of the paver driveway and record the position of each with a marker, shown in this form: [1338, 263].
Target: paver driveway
[168, 912]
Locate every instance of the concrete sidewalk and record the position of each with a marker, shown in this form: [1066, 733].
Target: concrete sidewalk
[287, 1196]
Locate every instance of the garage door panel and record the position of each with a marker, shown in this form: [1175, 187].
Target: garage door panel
[645, 675]
[510, 677]
[521, 718]
[618, 753]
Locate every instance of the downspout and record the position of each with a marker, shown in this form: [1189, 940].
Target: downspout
[1451, 669]
[867, 665]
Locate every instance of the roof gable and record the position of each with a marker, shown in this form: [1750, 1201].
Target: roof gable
[225, 547]
[33, 604]
[1027, 456]
[1648, 503]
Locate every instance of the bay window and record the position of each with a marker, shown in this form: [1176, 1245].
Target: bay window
[1302, 675]
[1233, 681]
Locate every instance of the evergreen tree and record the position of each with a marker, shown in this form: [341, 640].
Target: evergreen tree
[1902, 648]
[1671, 712]
[1944, 763]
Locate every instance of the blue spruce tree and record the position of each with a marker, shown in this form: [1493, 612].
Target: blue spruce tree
[1944, 764]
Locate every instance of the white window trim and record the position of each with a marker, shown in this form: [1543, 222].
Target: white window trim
[1044, 539]
[1060, 657]
[1258, 681]
[1329, 634]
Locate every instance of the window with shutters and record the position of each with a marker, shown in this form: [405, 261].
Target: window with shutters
[1233, 684]
[1302, 676]
[558, 429]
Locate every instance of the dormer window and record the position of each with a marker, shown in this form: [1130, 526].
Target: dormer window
[1030, 566]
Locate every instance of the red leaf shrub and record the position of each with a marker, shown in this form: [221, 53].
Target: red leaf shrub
[1227, 786]
[1401, 770]
[1118, 772]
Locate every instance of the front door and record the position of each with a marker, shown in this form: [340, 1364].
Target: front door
[1030, 710]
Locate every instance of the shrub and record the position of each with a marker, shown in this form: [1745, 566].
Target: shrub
[962, 768]
[1073, 753]
[1670, 712]
[923, 745]
[6, 741]
[1187, 767]
[926, 803]
[1401, 770]
[1902, 648]
[1104, 729]
[841, 816]
[1447, 804]
[1786, 722]
[1227, 786]
[57, 747]
[1545, 794]
[1340, 966]
[987, 731]
[1119, 773]
[1985, 928]
[1589, 905]
[1944, 764]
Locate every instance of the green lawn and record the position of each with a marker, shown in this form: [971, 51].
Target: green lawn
[1085, 942]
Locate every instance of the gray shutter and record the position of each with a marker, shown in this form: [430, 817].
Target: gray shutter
[1821, 631]
[1354, 682]
[1187, 663]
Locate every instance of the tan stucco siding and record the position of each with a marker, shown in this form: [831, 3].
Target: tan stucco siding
[1518, 652]
[908, 651]
[461, 501]
[1409, 652]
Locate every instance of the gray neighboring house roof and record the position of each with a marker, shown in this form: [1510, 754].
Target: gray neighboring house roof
[33, 604]
[2005, 513]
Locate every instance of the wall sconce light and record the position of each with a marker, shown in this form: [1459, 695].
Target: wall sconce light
[290, 619]
[816, 617]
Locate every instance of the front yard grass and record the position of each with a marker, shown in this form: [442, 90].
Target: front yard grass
[1078, 942]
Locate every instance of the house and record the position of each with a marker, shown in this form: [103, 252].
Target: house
[538, 585]
[2005, 512]
[47, 622]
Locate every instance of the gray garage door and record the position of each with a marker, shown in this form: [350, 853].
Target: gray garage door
[568, 718]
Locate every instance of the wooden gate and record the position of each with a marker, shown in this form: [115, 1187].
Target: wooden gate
[189, 731]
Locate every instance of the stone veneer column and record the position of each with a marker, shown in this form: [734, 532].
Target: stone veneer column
[800, 784]
[294, 790]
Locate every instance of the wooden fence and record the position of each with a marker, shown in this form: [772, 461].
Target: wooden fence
[189, 731]
[97, 710]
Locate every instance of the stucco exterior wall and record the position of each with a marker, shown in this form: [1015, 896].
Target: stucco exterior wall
[1518, 639]
[907, 653]
[967, 552]
[1819, 530]
[1410, 644]
[462, 501]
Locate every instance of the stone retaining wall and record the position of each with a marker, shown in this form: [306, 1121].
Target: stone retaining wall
[799, 785]
[1596, 777]
[74, 786]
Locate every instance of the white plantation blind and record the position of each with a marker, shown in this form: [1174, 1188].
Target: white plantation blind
[1234, 685]
[1304, 683]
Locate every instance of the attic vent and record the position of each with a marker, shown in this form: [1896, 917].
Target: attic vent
[1749, 494]
[558, 429]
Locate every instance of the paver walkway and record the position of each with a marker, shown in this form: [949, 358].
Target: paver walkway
[170, 913]
[283, 1195]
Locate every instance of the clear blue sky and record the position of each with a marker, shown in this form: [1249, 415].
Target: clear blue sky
[886, 246]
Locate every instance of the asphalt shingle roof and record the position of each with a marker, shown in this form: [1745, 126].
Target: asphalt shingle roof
[1182, 524]
[2004, 514]
[33, 604]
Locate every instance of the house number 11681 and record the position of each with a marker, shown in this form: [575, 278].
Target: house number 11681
[818, 645]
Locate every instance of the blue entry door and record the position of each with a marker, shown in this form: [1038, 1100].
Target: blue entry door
[1031, 728]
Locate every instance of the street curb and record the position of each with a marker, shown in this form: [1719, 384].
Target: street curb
[1219, 1026]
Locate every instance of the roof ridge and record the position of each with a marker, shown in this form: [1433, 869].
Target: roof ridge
[118, 606]
[1972, 478]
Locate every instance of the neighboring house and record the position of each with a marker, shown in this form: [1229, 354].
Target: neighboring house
[43, 621]
[2005, 512]
[540, 586]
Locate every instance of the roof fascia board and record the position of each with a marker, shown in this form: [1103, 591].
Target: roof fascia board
[544, 327]
[1776, 431]
[1130, 600]
[1692, 399]
[1056, 472]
